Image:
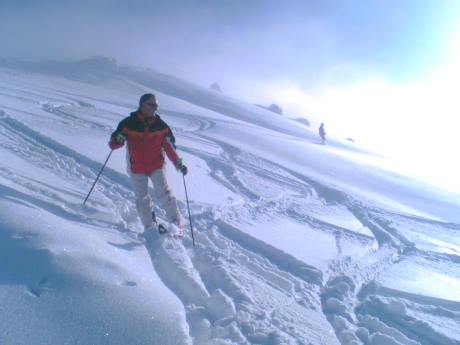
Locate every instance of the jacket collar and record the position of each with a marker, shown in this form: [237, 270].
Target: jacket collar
[143, 119]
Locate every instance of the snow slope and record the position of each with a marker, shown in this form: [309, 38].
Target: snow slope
[296, 242]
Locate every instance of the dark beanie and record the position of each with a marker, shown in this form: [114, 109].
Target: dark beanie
[145, 97]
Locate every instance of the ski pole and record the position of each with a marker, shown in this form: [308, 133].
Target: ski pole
[188, 207]
[100, 172]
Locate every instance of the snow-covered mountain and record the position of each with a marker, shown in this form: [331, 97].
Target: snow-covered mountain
[296, 242]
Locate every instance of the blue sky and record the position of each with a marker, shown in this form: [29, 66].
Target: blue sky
[364, 67]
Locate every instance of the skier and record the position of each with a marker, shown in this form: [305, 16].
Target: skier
[322, 133]
[148, 137]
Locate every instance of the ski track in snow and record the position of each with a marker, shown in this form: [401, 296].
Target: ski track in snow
[236, 288]
[47, 154]
[346, 294]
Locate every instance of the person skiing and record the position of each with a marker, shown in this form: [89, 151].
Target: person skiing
[148, 137]
[322, 133]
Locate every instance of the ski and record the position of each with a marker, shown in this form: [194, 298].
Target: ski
[164, 230]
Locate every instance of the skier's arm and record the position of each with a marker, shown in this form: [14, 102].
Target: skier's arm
[169, 148]
[171, 138]
[170, 135]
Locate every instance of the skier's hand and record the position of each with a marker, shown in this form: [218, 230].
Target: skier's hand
[119, 139]
[181, 167]
[183, 170]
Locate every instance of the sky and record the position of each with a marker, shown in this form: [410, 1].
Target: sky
[364, 68]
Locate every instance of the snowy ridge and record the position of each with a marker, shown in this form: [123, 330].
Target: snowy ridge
[296, 243]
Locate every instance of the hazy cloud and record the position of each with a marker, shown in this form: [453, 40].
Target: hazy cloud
[303, 42]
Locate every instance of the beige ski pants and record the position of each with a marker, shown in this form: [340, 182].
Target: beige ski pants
[144, 202]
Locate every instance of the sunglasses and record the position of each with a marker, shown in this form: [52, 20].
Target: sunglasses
[151, 105]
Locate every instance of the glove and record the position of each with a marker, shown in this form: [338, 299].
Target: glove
[119, 139]
[181, 167]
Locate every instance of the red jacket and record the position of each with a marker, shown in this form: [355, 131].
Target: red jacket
[148, 138]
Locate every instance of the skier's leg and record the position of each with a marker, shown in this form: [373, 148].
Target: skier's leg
[165, 197]
[143, 199]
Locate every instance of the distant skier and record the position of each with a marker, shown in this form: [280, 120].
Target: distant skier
[322, 133]
[148, 138]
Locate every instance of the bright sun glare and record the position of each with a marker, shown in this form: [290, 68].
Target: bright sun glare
[414, 123]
